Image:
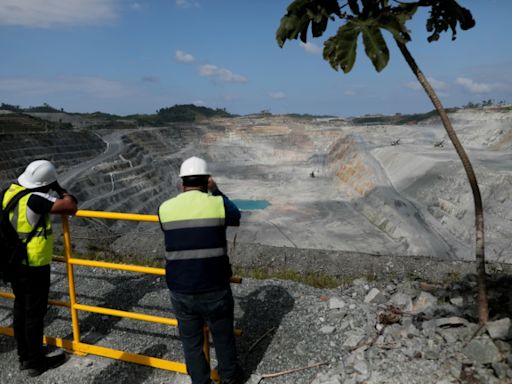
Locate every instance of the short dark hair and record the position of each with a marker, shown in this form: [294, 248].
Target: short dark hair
[195, 181]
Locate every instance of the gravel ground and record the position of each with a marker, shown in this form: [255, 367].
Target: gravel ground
[367, 332]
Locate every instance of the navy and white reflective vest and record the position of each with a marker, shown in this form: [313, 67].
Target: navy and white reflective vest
[195, 242]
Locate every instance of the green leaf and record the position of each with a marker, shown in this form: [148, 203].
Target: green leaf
[444, 15]
[392, 25]
[405, 12]
[340, 49]
[394, 21]
[375, 46]
[318, 28]
[290, 28]
[300, 14]
[354, 6]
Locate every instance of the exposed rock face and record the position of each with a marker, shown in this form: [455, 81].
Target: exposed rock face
[64, 149]
[330, 185]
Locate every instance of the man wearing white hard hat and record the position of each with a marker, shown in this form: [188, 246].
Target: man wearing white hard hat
[198, 270]
[31, 281]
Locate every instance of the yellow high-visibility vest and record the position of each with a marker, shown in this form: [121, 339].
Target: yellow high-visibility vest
[193, 223]
[40, 247]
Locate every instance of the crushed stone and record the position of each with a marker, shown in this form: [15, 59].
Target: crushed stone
[287, 327]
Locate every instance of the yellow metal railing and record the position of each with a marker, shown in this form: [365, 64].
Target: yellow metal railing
[78, 347]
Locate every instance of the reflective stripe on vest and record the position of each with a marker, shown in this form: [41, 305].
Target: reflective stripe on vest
[193, 224]
[40, 247]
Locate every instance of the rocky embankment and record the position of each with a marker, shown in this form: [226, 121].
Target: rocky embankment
[413, 332]
[406, 331]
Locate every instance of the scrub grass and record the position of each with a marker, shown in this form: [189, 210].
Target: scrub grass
[314, 279]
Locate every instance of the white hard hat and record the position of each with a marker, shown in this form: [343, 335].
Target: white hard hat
[39, 173]
[194, 166]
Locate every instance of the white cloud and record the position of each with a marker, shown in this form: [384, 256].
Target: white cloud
[92, 86]
[187, 4]
[184, 57]
[49, 13]
[277, 95]
[349, 92]
[311, 48]
[210, 70]
[414, 85]
[474, 87]
[438, 85]
[198, 102]
[97, 86]
[23, 86]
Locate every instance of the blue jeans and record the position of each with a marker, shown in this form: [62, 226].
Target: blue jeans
[216, 310]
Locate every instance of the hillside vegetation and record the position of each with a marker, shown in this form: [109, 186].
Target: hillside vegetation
[15, 122]
[47, 117]
[20, 118]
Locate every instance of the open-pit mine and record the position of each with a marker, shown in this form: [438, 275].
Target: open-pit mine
[317, 184]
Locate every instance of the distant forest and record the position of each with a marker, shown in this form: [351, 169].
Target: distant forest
[45, 108]
[180, 113]
[194, 113]
[413, 118]
[397, 119]
[176, 113]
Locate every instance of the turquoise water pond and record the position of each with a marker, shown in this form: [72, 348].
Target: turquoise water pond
[251, 205]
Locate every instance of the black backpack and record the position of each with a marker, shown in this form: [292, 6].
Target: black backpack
[13, 250]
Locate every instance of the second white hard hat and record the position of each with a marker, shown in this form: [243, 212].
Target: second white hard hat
[194, 166]
[38, 173]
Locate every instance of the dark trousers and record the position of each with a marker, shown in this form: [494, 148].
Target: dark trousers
[30, 286]
[216, 310]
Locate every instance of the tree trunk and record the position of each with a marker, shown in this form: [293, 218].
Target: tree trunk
[483, 309]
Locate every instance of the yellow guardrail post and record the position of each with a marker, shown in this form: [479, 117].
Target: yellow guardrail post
[79, 348]
[117, 216]
[71, 281]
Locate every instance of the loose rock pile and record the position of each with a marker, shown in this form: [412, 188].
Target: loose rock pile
[366, 332]
[397, 332]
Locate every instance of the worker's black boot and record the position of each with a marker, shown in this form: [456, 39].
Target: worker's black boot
[46, 363]
[237, 378]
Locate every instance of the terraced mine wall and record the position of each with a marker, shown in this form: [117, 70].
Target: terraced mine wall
[65, 148]
[140, 174]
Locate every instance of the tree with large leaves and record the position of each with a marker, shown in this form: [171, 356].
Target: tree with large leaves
[369, 18]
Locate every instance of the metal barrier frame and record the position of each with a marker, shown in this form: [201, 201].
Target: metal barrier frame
[79, 348]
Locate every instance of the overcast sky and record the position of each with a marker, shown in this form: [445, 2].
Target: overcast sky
[126, 57]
